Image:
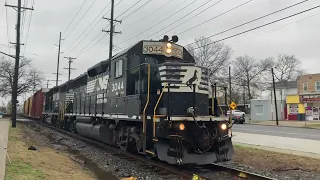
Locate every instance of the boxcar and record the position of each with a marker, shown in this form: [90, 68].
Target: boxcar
[37, 103]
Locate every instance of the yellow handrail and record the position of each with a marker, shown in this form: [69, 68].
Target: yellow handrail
[155, 108]
[145, 107]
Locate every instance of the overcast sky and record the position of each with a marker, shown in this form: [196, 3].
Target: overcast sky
[50, 17]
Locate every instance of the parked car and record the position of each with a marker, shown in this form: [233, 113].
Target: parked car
[237, 116]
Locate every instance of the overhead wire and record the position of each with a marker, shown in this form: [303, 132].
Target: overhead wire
[93, 27]
[236, 7]
[278, 28]
[80, 53]
[75, 16]
[136, 10]
[174, 22]
[7, 22]
[256, 19]
[25, 3]
[140, 20]
[25, 47]
[258, 27]
[160, 21]
[81, 18]
[129, 8]
[97, 17]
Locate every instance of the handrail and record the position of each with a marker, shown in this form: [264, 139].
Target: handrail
[154, 111]
[148, 99]
[156, 106]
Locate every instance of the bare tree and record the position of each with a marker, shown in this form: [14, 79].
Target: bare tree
[29, 78]
[211, 55]
[287, 68]
[249, 72]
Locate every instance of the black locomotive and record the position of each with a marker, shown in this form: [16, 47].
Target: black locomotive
[150, 98]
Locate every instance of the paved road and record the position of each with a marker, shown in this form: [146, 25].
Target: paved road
[303, 133]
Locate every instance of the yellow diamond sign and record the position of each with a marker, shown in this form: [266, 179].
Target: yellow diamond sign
[233, 105]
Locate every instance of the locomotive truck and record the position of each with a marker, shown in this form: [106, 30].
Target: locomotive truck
[151, 99]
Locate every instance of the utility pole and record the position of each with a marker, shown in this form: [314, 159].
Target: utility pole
[48, 82]
[57, 73]
[16, 66]
[230, 114]
[69, 68]
[275, 97]
[111, 31]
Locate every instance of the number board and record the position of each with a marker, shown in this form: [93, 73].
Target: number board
[159, 48]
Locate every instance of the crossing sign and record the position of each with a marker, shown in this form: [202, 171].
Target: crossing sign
[233, 105]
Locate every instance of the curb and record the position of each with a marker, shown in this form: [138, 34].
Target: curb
[283, 126]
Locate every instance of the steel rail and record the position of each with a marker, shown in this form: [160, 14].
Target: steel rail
[176, 170]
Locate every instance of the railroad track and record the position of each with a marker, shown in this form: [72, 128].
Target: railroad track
[188, 173]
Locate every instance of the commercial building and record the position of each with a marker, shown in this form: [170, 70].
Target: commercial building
[264, 108]
[309, 95]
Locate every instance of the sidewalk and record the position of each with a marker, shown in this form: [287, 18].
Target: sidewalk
[4, 130]
[302, 124]
[288, 145]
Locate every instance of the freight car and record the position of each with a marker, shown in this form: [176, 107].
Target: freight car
[151, 99]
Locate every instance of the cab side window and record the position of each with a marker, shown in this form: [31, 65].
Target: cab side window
[118, 68]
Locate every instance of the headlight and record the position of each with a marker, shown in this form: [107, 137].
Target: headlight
[223, 126]
[181, 126]
[168, 51]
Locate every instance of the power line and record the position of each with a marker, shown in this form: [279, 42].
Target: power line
[160, 21]
[129, 8]
[136, 10]
[74, 16]
[92, 27]
[80, 52]
[28, 29]
[140, 20]
[277, 28]
[87, 29]
[25, 3]
[7, 22]
[186, 16]
[261, 17]
[258, 27]
[206, 20]
[216, 16]
[81, 18]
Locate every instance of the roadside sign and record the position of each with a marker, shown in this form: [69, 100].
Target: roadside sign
[233, 105]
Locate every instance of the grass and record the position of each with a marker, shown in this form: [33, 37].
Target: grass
[19, 169]
[44, 163]
[313, 126]
[22, 170]
[270, 160]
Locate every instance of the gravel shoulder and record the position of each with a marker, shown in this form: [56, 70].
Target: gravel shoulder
[103, 163]
[43, 163]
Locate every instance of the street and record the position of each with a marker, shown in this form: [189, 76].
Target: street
[300, 141]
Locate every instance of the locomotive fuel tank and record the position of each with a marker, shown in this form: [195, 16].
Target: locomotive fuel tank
[100, 132]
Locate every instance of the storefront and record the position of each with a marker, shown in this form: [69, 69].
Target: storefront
[295, 109]
[312, 106]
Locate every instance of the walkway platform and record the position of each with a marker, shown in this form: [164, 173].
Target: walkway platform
[288, 145]
[4, 130]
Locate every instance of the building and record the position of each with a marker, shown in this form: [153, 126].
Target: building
[309, 95]
[264, 109]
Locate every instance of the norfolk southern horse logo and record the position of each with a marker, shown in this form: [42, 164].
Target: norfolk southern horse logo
[192, 79]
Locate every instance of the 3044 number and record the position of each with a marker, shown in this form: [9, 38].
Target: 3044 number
[117, 86]
[152, 49]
